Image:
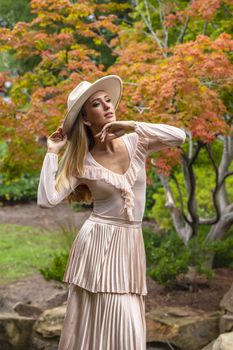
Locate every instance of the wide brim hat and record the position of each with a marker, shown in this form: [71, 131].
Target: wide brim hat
[112, 84]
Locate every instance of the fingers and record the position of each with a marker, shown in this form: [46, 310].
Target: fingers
[58, 135]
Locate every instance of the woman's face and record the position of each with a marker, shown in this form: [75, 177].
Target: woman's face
[98, 110]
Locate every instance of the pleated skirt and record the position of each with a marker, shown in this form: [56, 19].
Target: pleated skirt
[103, 321]
[106, 272]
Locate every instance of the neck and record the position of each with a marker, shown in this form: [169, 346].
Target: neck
[106, 146]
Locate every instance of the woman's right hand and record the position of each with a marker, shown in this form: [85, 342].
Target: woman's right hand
[56, 141]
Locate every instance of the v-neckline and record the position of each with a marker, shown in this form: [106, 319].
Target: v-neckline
[111, 171]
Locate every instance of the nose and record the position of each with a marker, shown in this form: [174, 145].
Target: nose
[106, 105]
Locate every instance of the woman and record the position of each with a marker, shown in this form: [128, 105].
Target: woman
[104, 163]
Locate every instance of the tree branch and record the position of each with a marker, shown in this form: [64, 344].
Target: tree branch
[183, 30]
[165, 30]
[205, 27]
[183, 230]
[180, 199]
[188, 163]
[149, 26]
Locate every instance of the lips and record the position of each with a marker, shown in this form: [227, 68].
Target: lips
[109, 114]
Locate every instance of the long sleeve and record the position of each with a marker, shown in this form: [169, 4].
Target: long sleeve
[47, 195]
[160, 136]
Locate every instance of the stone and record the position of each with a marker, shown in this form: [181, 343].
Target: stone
[209, 346]
[226, 323]
[15, 331]
[183, 327]
[5, 305]
[49, 324]
[227, 301]
[27, 310]
[57, 299]
[224, 342]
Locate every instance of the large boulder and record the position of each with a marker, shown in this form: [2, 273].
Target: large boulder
[226, 323]
[47, 329]
[49, 324]
[182, 327]
[227, 301]
[15, 331]
[27, 310]
[223, 342]
[226, 304]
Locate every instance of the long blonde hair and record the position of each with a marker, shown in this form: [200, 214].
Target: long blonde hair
[80, 140]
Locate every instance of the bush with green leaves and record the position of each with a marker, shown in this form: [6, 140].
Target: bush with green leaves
[167, 256]
[150, 191]
[23, 189]
[56, 269]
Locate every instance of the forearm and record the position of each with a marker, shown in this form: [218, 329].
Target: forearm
[159, 135]
[47, 195]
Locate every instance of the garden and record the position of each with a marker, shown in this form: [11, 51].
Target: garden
[175, 60]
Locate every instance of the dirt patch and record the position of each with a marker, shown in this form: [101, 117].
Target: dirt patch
[52, 218]
[37, 291]
[207, 297]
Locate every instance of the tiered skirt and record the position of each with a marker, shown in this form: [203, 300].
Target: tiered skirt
[106, 272]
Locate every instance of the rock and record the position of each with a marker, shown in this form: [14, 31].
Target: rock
[226, 323]
[27, 310]
[15, 331]
[209, 346]
[182, 327]
[5, 305]
[227, 301]
[49, 324]
[57, 299]
[224, 342]
[159, 346]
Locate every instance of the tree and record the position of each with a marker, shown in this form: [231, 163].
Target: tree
[182, 74]
[58, 50]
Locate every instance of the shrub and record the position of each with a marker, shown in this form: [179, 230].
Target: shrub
[23, 189]
[167, 256]
[56, 269]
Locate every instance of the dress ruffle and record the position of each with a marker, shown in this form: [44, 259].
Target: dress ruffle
[122, 182]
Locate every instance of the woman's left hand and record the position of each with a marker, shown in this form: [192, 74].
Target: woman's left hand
[115, 129]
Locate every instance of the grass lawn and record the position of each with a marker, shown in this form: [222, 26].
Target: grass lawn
[24, 250]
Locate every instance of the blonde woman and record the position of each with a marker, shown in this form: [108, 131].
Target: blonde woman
[103, 163]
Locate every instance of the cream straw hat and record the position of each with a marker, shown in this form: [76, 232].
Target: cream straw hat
[112, 84]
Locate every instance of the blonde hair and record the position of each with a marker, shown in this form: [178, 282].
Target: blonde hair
[71, 163]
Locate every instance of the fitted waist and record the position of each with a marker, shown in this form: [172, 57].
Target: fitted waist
[114, 221]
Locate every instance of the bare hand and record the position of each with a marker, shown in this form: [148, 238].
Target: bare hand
[56, 140]
[115, 129]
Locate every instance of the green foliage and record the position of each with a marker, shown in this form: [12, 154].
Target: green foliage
[56, 268]
[77, 207]
[224, 252]
[221, 21]
[22, 189]
[14, 11]
[167, 256]
[205, 184]
[159, 212]
[150, 190]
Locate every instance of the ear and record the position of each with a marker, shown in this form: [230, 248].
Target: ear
[86, 122]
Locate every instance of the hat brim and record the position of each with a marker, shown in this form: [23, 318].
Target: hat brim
[112, 84]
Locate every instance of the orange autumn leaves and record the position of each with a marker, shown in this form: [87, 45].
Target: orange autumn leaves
[182, 85]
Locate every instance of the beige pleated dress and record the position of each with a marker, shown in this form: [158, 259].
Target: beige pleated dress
[106, 269]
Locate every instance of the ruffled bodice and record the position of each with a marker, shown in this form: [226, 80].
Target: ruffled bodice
[114, 195]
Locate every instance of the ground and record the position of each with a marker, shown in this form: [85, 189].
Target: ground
[206, 297]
